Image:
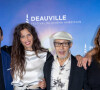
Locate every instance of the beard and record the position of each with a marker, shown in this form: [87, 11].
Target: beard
[63, 57]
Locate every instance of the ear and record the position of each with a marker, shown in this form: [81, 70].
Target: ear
[70, 45]
[1, 38]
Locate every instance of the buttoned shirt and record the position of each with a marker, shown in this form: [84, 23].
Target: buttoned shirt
[60, 75]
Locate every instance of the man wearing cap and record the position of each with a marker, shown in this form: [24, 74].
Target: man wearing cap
[60, 70]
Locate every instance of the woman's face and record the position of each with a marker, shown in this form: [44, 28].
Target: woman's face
[26, 39]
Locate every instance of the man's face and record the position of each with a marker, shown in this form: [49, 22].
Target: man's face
[62, 48]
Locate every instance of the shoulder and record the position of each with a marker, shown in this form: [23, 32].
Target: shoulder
[73, 61]
[94, 63]
[7, 49]
[49, 55]
[94, 59]
[74, 64]
[49, 61]
[73, 58]
[49, 58]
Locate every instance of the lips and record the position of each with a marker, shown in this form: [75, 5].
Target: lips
[62, 52]
[27, 43]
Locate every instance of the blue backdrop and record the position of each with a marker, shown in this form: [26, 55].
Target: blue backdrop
[78, 17]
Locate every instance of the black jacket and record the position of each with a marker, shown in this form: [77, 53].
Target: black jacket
[76, 79]
[93, 76]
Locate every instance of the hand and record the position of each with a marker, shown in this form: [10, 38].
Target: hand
[42, 84]
[86, 59]
[82, 61]
[79, 59]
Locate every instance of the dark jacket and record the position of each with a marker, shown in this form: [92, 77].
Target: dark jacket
[93, 76]
[6, 59]
[76, 79]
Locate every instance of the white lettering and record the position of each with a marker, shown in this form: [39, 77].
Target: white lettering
[48, 18]
[32, 18]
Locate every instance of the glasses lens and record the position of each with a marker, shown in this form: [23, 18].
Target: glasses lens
[57, 44]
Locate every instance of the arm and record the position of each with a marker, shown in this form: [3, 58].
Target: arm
[82, 61]
[88, 58]
[79, 60]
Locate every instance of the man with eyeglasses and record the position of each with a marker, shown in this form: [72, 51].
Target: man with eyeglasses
[60, 70]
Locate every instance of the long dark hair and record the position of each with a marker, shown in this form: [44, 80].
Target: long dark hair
[97, 46]
[18, 52]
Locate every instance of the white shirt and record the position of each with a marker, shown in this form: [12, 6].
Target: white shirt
[60, 75]
[34, 69]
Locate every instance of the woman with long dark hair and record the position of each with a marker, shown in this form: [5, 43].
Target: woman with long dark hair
[93, 72]
[27, 59]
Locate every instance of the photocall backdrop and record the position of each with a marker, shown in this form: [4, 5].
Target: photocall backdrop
[80, 18]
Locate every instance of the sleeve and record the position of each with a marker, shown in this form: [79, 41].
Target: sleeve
[16, 80]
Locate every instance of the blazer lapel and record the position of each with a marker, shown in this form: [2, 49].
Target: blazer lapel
[49, 69]
[72, 71]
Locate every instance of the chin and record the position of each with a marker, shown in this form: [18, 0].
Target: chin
[62, 57]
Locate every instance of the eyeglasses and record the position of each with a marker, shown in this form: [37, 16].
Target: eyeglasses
[64, 44]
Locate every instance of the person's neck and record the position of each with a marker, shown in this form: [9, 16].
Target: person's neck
[28, 49]
[62, 60]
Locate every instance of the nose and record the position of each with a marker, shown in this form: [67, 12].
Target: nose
[61, 46]
[26, 38]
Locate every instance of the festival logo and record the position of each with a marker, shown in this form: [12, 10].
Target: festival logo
[57, 19]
